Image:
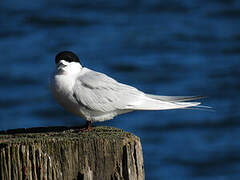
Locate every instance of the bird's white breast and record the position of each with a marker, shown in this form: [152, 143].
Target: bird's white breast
[61, 86]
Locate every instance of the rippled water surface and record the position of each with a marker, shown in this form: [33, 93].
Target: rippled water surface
[163, 47]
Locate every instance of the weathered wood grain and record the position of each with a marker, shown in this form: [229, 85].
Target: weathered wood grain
[57, 153]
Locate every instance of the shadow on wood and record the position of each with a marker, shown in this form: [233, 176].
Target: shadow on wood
[57, 153]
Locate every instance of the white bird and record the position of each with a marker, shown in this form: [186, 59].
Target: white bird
[94, 96]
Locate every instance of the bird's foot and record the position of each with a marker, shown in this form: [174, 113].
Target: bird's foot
[87, 128]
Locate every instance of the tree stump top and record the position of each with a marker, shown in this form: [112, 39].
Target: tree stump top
[62, 134]
[104, 153]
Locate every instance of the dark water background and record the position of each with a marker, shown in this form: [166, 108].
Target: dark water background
[165, 47]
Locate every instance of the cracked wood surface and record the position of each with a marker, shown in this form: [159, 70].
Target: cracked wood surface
[58, 153]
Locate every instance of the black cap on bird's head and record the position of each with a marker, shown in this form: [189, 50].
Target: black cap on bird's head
[67, 56]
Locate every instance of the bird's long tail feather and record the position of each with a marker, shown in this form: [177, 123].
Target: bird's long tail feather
[175, 98]
[155, 102]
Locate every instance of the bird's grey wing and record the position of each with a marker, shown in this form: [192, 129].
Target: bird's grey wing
[99, 92]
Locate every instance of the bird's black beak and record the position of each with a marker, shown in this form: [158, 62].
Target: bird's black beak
[60, 65]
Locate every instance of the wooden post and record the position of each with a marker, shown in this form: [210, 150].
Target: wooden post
[105, 153]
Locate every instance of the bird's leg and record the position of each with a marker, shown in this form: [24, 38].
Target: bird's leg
[87, 127]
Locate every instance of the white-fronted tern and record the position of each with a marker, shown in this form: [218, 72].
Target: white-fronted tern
[94, 96]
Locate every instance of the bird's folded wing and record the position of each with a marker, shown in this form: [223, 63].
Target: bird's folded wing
[98, 92]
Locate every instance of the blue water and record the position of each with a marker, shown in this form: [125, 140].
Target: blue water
[163, 47]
